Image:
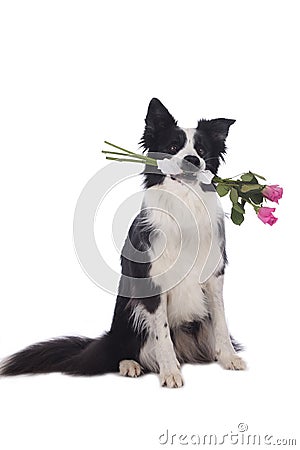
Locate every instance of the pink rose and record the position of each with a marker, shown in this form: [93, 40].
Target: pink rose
[265, 214]
[273, 192]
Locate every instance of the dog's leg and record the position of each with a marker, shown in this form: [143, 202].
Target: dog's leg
[225, 353]
[158, 353]
[169, 367]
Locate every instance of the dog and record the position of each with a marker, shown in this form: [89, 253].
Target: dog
[169, 309]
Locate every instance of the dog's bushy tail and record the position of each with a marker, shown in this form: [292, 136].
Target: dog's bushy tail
[70, 355]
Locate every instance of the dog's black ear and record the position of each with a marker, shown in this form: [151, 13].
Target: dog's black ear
[217, 128]
[158, 120]
[158, 117]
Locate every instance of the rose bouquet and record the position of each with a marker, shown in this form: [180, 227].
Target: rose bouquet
[242, 189]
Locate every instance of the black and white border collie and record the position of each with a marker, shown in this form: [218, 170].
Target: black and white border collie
[180, 317]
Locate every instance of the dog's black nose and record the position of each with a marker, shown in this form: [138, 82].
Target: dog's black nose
[193, 160]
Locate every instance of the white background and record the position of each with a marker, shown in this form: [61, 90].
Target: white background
[76, 73]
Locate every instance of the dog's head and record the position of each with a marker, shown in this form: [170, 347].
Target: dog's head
[198, 148]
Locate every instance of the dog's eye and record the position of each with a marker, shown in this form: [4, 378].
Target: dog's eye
[173, 148]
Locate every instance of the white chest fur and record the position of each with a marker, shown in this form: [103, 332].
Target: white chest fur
[185, 248]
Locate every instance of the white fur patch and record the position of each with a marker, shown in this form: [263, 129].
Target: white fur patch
[139, 318]
[186, 252]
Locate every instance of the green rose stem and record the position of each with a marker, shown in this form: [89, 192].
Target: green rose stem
[119, 148]
[126, 159]
[129, 156]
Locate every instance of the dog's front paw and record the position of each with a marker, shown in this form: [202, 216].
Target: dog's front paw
[130, 368]
[171, 379]
[231, 361]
